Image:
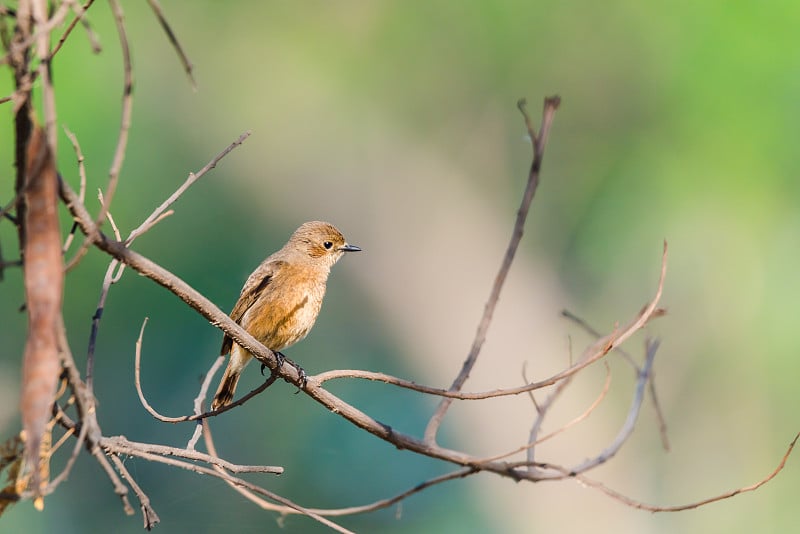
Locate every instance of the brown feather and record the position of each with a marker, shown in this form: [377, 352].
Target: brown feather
[256, 283]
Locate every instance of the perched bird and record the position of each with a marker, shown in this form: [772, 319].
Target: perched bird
[281, 299]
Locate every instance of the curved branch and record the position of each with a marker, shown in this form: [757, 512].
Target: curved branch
[197, 416]
[681, 507]
[633, 414]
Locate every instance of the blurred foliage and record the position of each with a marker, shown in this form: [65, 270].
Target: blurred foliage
[679, 120]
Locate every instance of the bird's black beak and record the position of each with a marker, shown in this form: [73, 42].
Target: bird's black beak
[349, 248]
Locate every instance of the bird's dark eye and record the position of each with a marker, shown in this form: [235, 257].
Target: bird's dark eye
[327, 245]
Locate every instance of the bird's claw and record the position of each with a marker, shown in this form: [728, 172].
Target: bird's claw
[303, 377]
[281, 359]
[301, 373]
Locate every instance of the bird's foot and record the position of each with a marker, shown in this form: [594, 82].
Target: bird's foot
[281, 358]
[303, 378]
[301, 373]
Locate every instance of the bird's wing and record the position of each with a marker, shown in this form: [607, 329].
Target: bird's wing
[255, 285]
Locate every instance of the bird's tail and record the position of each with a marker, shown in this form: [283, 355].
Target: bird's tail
[227, 387]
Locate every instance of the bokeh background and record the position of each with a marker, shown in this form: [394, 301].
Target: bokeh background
[396, 121]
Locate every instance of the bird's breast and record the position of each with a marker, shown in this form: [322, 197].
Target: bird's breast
[285, 312]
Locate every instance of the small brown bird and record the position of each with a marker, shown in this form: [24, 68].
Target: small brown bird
[281, 299]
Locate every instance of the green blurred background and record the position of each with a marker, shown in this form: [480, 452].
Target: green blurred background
[396, 121]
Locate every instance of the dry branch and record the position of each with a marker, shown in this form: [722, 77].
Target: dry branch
[689, 506]
[44, 279]
[538, 142]
[173, 39]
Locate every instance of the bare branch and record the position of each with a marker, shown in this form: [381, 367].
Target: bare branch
[121, 445]
[148, 513]
[79, 17]
[201, 397]
[586, 413]
[108, 280]
[690, 506]
[191, 179]
[127, 108]
[82, 173]
[538, 141]
[115, 448]
[187, 64]
[119, 488]
[633, 414]
[73, 457]
[662, 423]
[385, 503]
[196, 417]
[542, 410]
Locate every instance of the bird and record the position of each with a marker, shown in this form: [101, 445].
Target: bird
[281, 299]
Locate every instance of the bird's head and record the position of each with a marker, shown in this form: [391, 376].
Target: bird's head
[321, 242]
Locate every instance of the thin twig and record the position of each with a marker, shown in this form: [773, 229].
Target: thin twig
[690, 506]
[187, 64]
[201, 397]
[71, 460]
[108, 280]
[191, 179]
[127, 108]
[592, 354]
[541, 412]
[538, 142]
[662, 422]
[42, 35]
[196, 417]
[149, 515]
[630, 421]
[534, 439]
[82, 174]
[80, 13]
[385, 503]
[217, 472]
[564, 428]
[121, 445]
[5, 210]
[586, 413]
[119, 488]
